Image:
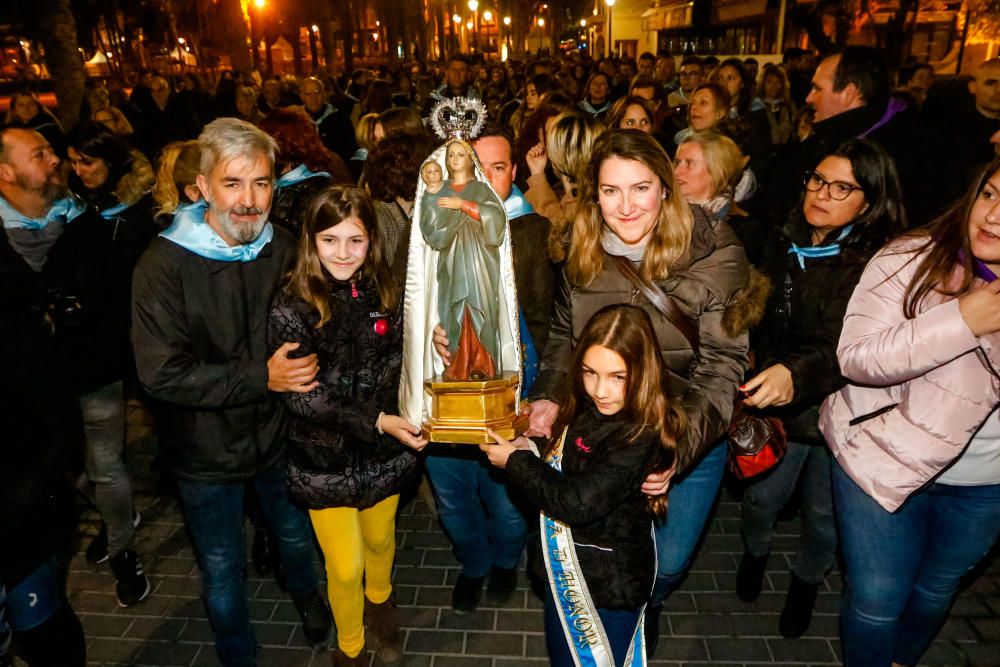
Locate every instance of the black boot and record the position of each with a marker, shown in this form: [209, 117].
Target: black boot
[467, 593]
[316, 618]
[797, 614]
[651, 629]
[750, 576]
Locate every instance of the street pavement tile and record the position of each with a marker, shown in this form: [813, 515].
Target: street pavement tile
[703, 623]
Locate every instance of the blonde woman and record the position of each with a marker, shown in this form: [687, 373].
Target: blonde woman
[176, 173]
[568, 145]
[631, 219]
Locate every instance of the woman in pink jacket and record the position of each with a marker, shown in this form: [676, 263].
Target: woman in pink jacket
[916, 433]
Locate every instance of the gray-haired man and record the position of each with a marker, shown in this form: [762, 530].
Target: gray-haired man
[201, 297]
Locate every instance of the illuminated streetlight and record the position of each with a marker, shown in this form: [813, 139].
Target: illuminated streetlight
[378, 23]
[259, 4]
[468, 24]
[315, 28]
[375, 36]
[473, 5]
[583, 23]
[456, 18]
[487, 15]
[506, 20]
[180, 40]
[541, 22]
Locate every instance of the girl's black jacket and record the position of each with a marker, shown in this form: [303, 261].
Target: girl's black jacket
[336, 456]
[597, 495]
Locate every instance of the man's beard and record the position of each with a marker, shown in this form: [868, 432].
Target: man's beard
[51, 190]
[242, 232]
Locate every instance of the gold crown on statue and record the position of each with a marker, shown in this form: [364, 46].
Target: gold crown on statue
[458, 118]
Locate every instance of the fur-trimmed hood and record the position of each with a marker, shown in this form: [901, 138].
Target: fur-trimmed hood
[135, 182]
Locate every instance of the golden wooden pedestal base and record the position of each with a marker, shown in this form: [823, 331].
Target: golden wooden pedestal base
[462, 411]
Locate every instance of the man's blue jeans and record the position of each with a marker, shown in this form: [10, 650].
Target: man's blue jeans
[214, 517]
[690, 503]
[904, 567]
[484, 526]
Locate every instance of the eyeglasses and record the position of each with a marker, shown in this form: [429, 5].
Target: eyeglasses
[838, 190]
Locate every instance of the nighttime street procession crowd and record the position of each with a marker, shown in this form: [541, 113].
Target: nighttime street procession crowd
[783, 275]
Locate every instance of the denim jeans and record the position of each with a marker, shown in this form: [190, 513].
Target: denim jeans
[484, 526]
[904, 567]
[213, 513]
[619, 625]
[808, 466]
[691, 501]
[104, 431]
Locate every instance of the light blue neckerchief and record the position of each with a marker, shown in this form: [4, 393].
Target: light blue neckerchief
[814, 252]
[190, 231]
[297, 175]
[66, 209]
[516, 205]
[112, 213]
[327, 110]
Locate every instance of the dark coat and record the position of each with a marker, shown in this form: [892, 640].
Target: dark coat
[804, 316]
[334, 439]
[336, 131]
[200, 337]
[707, 287]
[597, 495]
[84, 285]
[534, 275]
[42, 443]
[291, 203]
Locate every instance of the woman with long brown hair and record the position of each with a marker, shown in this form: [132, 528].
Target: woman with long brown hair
[634, 237]
[915, 433]
[349, 453]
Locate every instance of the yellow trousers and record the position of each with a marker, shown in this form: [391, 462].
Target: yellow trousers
[358, 545]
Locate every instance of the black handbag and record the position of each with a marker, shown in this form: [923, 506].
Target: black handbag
[325, 469]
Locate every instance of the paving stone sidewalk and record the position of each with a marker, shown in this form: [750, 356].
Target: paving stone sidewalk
[703, 623]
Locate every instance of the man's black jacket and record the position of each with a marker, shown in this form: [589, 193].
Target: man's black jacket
[200, 338]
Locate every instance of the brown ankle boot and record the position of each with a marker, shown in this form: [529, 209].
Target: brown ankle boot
[341, 659]
[383, 623]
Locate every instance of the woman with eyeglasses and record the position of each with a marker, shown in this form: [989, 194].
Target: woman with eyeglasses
[850, 206]
[915, 432]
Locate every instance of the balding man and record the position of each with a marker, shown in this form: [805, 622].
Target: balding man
[969, 133]
[334, 124]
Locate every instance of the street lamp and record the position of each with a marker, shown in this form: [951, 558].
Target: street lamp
[473, 5]
[610, 4]
[487, 16]
[506, 20]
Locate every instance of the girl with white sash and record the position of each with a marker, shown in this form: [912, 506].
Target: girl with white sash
[614, 428]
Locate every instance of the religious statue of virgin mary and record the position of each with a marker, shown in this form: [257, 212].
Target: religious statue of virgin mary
[460, 272]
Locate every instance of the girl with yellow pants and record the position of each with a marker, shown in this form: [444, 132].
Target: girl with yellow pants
[349, 454]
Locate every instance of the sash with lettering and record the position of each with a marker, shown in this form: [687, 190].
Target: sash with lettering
[585, 634]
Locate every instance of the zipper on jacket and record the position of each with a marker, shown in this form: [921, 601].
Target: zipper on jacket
[872, 415]
[632, 299]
